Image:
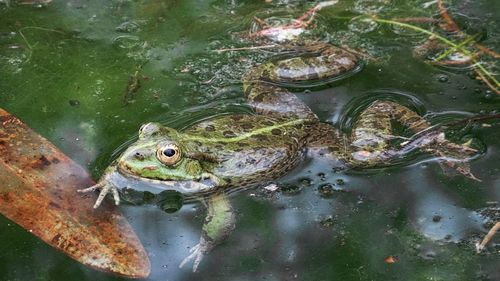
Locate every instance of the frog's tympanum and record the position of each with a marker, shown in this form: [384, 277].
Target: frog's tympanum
[216, 156]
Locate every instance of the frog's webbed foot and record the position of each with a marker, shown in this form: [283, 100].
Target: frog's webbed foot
[460, 166]
[452, 156]
[105, 189]
[197, 253]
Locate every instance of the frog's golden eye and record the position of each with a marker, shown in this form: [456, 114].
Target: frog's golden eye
[169, 154]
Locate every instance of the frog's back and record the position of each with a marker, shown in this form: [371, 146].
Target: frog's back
[250, 148]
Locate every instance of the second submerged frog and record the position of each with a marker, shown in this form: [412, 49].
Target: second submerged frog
[217, 156]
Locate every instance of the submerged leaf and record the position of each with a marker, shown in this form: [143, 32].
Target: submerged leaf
[38, 192]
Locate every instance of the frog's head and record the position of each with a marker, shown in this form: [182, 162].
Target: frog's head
[165, 156]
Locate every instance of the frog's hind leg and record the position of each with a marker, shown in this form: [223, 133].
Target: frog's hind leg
[327, 143]
[264, 84]
[270, 100]
[373, 132]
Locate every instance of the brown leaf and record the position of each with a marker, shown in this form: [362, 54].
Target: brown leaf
[38, 192]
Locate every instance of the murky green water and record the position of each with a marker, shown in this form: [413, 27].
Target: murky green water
[64, 70]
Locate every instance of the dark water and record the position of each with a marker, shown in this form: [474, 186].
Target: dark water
[64, 70]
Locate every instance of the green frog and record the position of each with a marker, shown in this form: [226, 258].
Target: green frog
[217, 156]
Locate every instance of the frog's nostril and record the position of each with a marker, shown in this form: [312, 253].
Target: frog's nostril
[138, 155]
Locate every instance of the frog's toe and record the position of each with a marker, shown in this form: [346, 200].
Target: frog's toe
[196, 254]
[105, 189]
[90, 189]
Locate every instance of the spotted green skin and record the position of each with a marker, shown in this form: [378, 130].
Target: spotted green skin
[243, 150]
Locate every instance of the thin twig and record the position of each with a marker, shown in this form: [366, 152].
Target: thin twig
[417, 20]
[488, 237]
[487, 51]
[471, 119]
[30, 47]
[486, 81]
[452, 26]
[246, 48]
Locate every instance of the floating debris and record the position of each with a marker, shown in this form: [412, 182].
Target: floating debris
[133, 85]
[391, 259]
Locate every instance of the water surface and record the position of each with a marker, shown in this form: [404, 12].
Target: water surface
[64, 70]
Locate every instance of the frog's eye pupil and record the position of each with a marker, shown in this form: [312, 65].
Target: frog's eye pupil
[169, 152]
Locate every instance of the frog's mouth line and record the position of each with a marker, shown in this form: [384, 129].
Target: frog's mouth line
[122, 178]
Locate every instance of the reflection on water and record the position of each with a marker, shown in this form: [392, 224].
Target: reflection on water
[64, 70]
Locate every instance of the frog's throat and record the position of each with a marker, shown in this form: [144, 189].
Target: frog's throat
[197, 185]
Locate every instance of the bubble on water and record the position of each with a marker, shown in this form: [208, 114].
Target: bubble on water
[92, 18]
[327, 222]
[15, 63]
[362, 25]
[305, 182]
[442, 78]
[128, 27]
[99, 87]
[127, 41]
[74, 103]
[326, 190]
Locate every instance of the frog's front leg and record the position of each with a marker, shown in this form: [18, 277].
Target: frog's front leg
[219, 223]
[105, 186]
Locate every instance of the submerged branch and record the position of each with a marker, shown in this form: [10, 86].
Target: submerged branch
[488, 237]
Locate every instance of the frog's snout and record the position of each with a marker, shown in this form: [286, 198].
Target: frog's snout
[136, 155]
